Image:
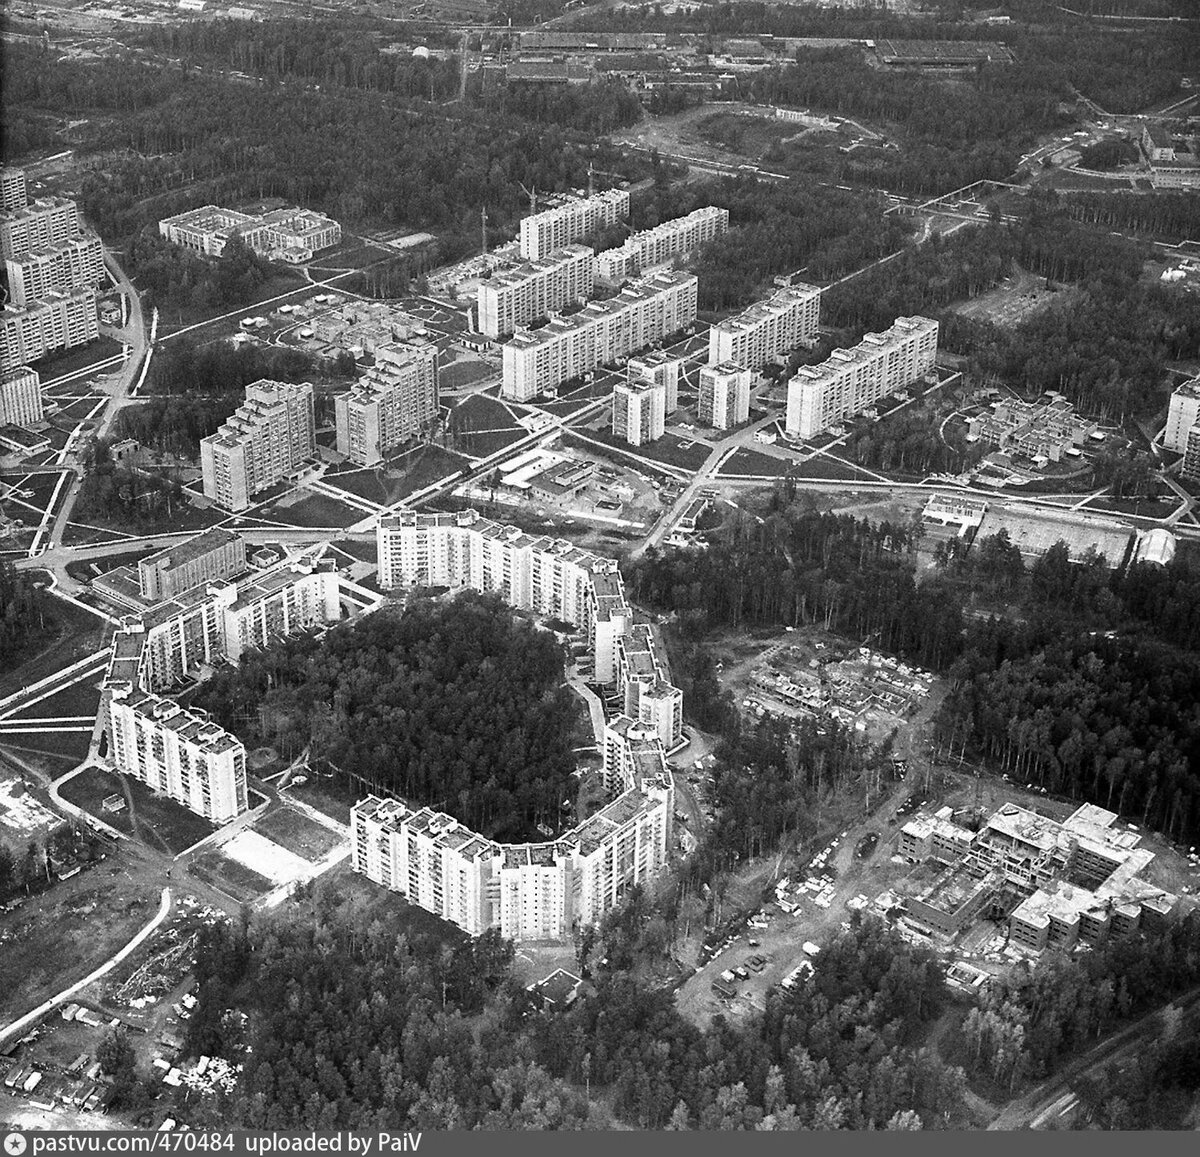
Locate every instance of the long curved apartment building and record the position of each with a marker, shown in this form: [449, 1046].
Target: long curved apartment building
[536, 890]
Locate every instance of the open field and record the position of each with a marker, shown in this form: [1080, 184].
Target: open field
[78, 633]
[481, 412]
[228, 876]
[314, 510]
[298, 834]
[79, 358]
[158, 822]
[325, 798]
[463, 373]
[753, 463]
[1015, 301]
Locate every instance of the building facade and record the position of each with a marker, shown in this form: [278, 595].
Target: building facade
[57, 321]
[639, 411]
[266, 439]
[663, 243]
[661, 368]
[291, 235]
[20, 397]
[176, 753]
[13, 192]
[1183, 414]
[1190, 467]
[535, 290]
[849, 381]
[395, 400]
[214, 554]
[48, 222]
[785, 320]
[643, 313]
[543, 233]
[73, 263]
[724, 395]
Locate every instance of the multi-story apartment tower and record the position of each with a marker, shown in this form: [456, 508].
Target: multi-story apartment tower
[56, 321]
[73, 263]
[849, 381]
[543, 233]
[48, 222]
[194, 762]
[13, 192]
[395, 400]
[662, 369]
[20, 397]
[639, 411]
[1191, 455]
[212, 555]
[661, 244]
[724, 395]
[643, 313]
[266, 439]
[785, 320]
[535, 290]
[1183, 414]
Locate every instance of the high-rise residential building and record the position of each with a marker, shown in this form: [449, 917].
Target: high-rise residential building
[291, 235]
[849, 381]
[661, 368]
[785, 320]
[266, 439]
[73, 263]
[20, 397]
[213, 554]
[724, 395]
[1191, 455]
[1183, 414]
[644, 312]
[662, 243]
[650, 700]
[47, 222]
[577, 218]
[56, 321]
[395, 400]
[190, 760]
[13, 193]
[639, 411]
[515, 297]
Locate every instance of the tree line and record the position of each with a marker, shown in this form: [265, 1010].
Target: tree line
[25, 618]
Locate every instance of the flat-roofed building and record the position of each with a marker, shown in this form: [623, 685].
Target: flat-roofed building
[395, 400]
[1182, 415]
[57, 321]
[643, 313]
[785, 320]
[573, 220]
[1034, 531]
[13, 191]
[849, 381]
[534, 290]
[291, 235]
[214, 554]
[724, 395]
[642, 677]
[639, 411]
[663, 243]
[959, 510]
[661, 368]
[20, 397]
[50, 221]
[266, 439]
[1190, 467]
[73, 263]
[172, 751]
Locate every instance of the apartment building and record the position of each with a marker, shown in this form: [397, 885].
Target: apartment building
[661, 368]
[849, 381]
[535, 290]
[577, 218]
[1190, 468]
[724, 396]
[266, 439]
[639, 411]
[1183, 414]
[663, 243]
[642, 677]
[13, 192]
[395, 400]
[212, 555]
[785, 320]
[73, 263]
[20, 397]
[57, 321]
[47, 222]
[178, 754]
[643, 313]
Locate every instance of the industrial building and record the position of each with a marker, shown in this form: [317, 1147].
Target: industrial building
[663, 243]
[724, 395]
[785, 320]
[264, 441]
[849, 381]
[395, 400]
[535, 290]
[644, 312]
[292, 235]
[661, 368]
[639, 411]
[212, 555]
[60, 320]
[73, 263]
[20, 397]
[573, 220]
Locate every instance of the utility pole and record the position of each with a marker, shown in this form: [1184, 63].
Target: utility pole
[483, 222]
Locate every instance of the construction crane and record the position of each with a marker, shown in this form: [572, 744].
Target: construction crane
[531, 194]
[592, 170]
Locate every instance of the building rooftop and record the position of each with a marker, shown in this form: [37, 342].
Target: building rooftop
[176, 556]
[779, 301]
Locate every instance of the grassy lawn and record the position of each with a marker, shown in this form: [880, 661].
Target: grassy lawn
[183, 517]
[752, 462]
[316, 510]
[326, 798]
[82, 698]
[480, 412]
[76, 633]
[69, 746]
[230, 877]
[298, 834]
[363, 483]
[484, 445]
[463, 373]
[670, 448]
[60, 936]
[425, 466]
[363, 551]
[79, 358]
[157, 821]
[823, 466]
[86, 571]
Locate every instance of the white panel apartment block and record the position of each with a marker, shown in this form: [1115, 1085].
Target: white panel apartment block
[543, 233]
[785, 320]
[663, 243]
[532, 291]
